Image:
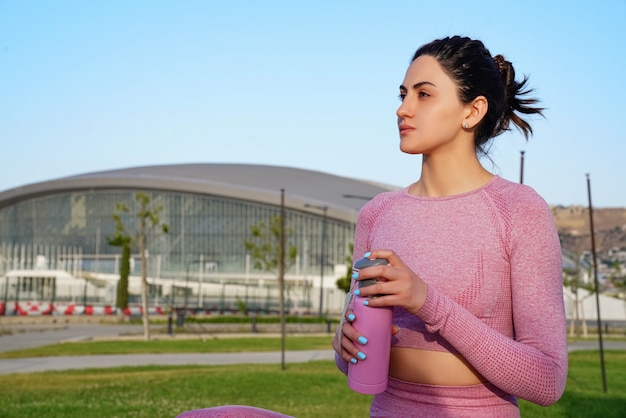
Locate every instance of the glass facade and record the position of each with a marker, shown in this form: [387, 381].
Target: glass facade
[206, 235]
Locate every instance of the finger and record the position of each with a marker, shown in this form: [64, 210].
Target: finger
[379, 271]
[349, 331]
[373, 289]
[390, 255]
[379, 300]
[352, 343]
[351, 352]
[334, 343]
[350, 316]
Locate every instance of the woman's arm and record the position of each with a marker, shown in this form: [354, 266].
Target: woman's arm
[533, 366]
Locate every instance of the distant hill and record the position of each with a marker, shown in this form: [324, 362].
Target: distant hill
[572, 223]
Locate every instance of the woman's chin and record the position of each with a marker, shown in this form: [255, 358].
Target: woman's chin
[409, 150]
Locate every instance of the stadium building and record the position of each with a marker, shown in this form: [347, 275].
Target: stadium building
[55, 255]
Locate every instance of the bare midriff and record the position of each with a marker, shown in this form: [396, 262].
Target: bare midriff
[431, 367]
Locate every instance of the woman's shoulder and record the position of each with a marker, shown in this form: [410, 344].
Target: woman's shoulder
[516, 193]
[382, 200]
[518, 200]
[378, 204]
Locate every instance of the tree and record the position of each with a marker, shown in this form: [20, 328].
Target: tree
[265, 246]
[618, 278]
[572, 278]
[129, 235]
[269, 254]
[123, 241]
[345, 282]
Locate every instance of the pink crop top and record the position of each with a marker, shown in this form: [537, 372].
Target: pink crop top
[492, 261]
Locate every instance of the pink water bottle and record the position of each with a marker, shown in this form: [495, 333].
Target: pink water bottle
[370, 376]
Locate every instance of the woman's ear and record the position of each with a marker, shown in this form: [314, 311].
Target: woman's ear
[476, 111]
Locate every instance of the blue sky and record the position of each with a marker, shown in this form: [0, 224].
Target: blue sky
[96, 85]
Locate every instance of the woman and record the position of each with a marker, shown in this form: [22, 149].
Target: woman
[474, 273]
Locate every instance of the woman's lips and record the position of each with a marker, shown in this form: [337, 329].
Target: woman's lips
[405, 129]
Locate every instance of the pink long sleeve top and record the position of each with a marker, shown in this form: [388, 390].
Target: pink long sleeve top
[492, 262]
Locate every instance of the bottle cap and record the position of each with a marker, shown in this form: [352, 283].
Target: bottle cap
[367, 262]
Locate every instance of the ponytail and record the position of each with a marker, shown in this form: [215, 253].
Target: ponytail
[515, 100]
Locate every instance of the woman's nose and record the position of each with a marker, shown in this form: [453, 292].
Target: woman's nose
[404, 110]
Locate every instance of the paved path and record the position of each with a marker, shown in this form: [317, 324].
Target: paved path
[595, 345]
[42, 364]
[34, 336]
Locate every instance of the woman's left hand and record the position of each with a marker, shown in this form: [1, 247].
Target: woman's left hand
[402, 286]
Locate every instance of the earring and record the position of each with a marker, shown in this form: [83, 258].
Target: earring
[466, 126]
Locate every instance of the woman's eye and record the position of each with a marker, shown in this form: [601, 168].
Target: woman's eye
[401, 96]
[423, 94]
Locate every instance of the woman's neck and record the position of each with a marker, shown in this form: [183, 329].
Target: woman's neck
[450, 176]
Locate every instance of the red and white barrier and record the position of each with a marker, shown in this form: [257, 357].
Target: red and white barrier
[33, 308]
[100, 310]
[30, 308]
[138, 310]
[71, 309]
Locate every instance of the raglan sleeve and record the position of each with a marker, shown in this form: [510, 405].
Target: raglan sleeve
[533, 364]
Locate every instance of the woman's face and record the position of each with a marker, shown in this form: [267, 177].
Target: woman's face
[431, 115]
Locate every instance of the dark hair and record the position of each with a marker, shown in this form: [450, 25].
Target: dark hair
[476, 73]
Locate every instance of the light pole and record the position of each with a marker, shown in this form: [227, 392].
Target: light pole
[595, 276]
[521, 169]
[324, 210]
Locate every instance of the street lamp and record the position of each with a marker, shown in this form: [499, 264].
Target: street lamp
[324, 210]
[521, 170]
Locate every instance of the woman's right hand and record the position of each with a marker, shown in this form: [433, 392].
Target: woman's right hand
[346, 338]
[349, 343]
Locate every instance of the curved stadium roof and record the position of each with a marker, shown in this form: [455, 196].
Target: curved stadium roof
[259, 183]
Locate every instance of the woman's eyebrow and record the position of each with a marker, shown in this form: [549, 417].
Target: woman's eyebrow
[417, 85]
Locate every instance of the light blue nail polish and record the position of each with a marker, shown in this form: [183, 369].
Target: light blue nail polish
[365, 302]
[355, 275]
[367, 254]
[361, 355]
[353, 360]
[351, 317]
[357, 292]
[362, 340]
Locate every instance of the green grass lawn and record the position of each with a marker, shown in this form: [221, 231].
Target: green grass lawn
[314, 389]
[217, 345]
[584, 396]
